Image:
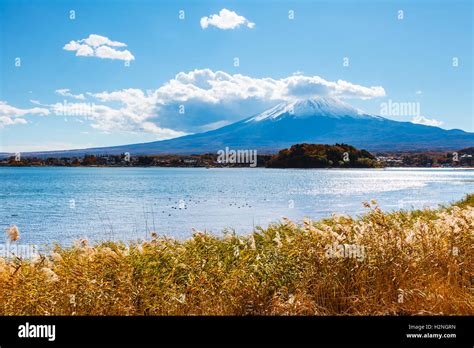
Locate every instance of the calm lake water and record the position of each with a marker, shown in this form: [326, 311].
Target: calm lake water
[62, 204]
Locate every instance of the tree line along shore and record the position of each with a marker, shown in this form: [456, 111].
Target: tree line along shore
[297, 156]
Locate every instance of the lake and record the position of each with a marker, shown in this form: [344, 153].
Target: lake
[56, 204]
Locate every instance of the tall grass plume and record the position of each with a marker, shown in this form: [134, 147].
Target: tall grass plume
[408, 263]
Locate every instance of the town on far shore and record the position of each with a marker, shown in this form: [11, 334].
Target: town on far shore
[298, 156]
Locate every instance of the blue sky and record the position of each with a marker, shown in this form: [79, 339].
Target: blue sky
[401, 60]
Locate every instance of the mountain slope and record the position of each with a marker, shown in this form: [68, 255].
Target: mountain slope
[320, 120]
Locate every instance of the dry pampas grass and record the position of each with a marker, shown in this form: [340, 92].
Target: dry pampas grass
[397, 263]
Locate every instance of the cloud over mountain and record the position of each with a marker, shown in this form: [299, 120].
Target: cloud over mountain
[199, 100]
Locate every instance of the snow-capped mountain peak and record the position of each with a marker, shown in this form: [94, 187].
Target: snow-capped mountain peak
[323, 107]
[313, 121]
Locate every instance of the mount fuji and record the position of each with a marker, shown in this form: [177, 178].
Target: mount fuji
[317, 120]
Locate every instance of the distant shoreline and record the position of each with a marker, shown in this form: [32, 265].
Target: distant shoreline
[304, 155]
[243, 167]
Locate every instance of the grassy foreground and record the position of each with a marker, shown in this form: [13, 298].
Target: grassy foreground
[419, 262]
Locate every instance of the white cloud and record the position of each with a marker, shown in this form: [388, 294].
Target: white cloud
[219, 86]
[110, 53]
[81, 50]
[225, 20]
[10, 115]
[65, 92]
[98, 40]
[9, 121]
[299, 86]
[426, 121]
[131, 117]
[100, 47]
